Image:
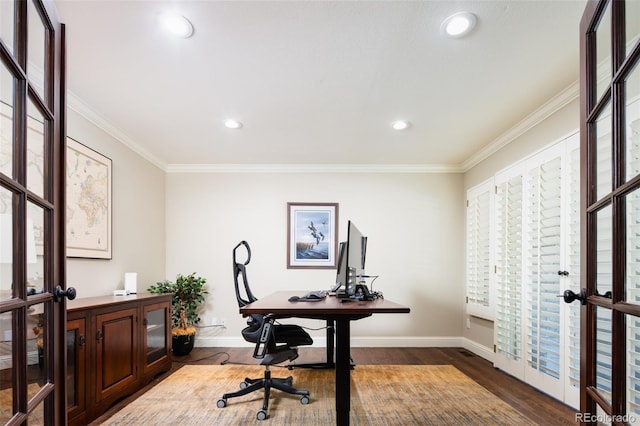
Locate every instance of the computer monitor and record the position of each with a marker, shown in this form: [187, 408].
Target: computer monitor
[351, 260]
[341, 272]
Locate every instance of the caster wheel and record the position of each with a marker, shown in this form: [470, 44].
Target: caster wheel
[304, 400]
[221, 403]
[244, 385]
[261, 415]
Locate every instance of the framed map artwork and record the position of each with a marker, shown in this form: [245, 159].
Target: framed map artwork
[88, 215]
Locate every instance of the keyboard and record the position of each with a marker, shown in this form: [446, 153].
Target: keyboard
[321, 294]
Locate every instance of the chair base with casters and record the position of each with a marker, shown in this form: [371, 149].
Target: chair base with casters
[266, 383]
[269, 353]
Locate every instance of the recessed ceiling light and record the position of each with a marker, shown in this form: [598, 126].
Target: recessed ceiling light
[177, 24]
[459, 24]
[232, 124]
[400, 125]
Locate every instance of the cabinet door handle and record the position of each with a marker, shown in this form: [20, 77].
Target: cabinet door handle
[82, 341]
[99, 336]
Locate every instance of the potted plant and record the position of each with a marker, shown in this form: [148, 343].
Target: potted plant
[188, 293]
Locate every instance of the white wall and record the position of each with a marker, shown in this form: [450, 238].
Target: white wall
[414, 223]
[138, 217]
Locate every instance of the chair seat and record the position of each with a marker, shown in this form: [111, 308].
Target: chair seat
[292, 335]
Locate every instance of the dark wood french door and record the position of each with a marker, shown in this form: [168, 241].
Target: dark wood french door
[610, 216]
[32, 252]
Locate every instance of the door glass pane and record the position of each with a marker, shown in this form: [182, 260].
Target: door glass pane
[6, 373]
[603, 53]
[35, 151]
[603, 153]
[36, 416]
[633, 365]
[6, 120]
[604, 256]
[36, 338]
[632, 118]
[603, 352]
[7, 28]
[632, 23]
[35, 252]
[6, 244]
[632, 284]
[36, 51]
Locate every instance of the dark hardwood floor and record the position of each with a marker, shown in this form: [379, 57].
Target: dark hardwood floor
[539, 407]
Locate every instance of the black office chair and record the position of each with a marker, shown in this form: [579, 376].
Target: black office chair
[275, 343]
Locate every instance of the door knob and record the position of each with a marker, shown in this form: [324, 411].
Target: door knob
[569, 296]
[59, 293]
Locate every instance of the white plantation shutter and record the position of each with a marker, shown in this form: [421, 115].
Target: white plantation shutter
[543, 239]
[508, 271]
[572, 259]
[479, 229]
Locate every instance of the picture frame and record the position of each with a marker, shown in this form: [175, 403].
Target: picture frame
[89, 201]
[312, 235]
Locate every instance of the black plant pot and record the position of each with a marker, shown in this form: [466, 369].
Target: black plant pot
[183, 344]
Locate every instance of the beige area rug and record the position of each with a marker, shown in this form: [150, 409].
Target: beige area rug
[380, 395]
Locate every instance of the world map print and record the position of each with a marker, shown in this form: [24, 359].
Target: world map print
[88, 215]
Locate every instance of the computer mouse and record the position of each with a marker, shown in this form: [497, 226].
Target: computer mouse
[294, 298]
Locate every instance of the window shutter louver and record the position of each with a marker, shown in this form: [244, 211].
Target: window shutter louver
[479, 264]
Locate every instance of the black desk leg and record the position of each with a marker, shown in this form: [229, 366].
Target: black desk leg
[343, 370]
[331, 332]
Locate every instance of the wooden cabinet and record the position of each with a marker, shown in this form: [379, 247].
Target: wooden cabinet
[115, 346]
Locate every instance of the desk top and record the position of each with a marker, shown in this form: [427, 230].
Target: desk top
[278, 303]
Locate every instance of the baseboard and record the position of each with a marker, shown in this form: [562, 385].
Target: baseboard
[368, 342]
[356, 342]
[478, 349]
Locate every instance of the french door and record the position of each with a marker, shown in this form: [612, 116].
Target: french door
[537, 256]
[610, 211]
[32, 256]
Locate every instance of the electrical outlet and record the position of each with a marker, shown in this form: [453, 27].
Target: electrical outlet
[468, 323]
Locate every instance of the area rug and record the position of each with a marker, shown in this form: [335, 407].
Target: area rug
[380, 395]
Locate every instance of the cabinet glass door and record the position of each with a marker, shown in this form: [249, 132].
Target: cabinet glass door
[156, 333]
[75, 377]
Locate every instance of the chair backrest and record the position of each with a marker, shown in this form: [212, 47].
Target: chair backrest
[243, 293]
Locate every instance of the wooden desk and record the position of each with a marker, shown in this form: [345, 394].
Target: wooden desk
[330, 308]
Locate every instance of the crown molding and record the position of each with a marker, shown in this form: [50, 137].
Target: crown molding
[76, 104]
[312, 168]
[538, 116]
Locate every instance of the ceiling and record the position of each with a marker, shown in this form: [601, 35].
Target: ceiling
[316, 82]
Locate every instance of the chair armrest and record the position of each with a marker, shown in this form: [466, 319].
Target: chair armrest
[266, 337]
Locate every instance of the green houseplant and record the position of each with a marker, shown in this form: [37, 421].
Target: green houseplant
[188, 294]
